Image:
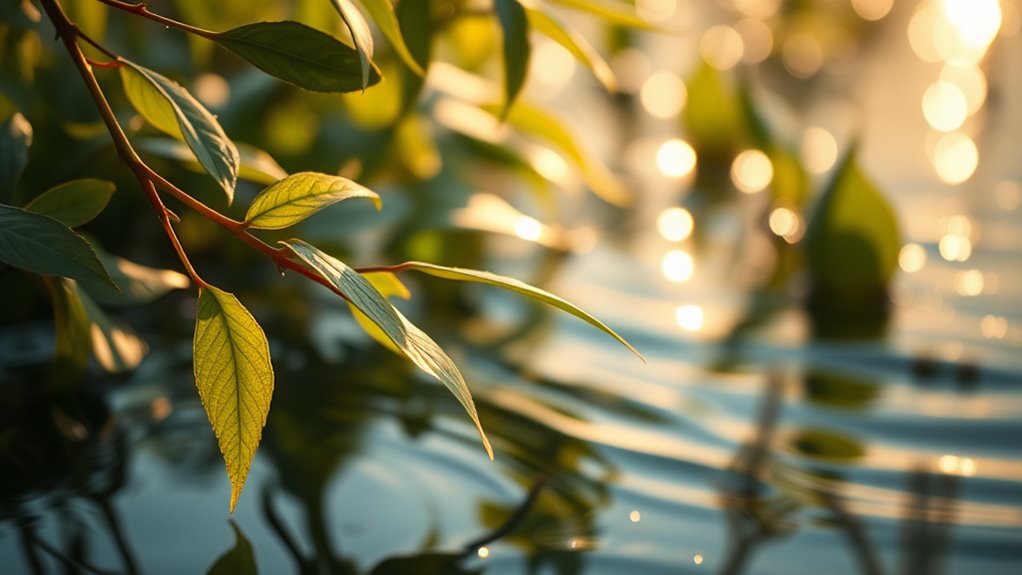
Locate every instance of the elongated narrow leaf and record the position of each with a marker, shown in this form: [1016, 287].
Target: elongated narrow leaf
[41, 244]
[138, 284]
[15, 140]
[413, 342]
[234, 377]
[238, 560]
[300, 55]
[612, 12]
[516, 49]
[551, 25]
[389, 286]
[360, 35]
[517, 286]
[169, 107]
[73, 203]
[549, 129]
[382, 12]
[416, 27]
[256, 165]
[300, 195]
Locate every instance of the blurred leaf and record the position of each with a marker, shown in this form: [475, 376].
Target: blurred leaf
[424, 564]
[416, 148]
[71, 352]
[116, 348]
[300, 195]
[543, 19]
[389, 286]
[461, 274]
[413, 342]
[73, 203]
[234, 377]
[516, 49]
[612, 12]
[90, 18]
[256, 165]
[824, 444]
[138, 284]
[360, 35]
[382, 12]
[171, 109]
[544, 126]
[852, 240]
[380, 106]
[43, 245]
[300, 55]
[713, 114]
[15, 140]
[238, 560]
[416, 27]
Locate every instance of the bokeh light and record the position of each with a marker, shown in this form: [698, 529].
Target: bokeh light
[872, 9]
[675, 224]
[663, 95]
[971, 81]
[912, 258]
[786, 223]
[675, 158]
[818, 150]
[969, 283]
[803, 55]
[677, 266]
[757, 40]
[945, 106]
[689, 317]
[752, 171]
[722, 47]
[955, 157]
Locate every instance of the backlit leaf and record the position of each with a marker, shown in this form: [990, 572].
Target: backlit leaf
[612, 12]
[256, 165]
[413, 342]
[517, 286]
[71, 322]
[43, 245]
[300, 55]
[852, 239]
[73, 203]
[550, 24]
[300, 195]
[238, 560]
[138, 284]
[115, 346]
[360, 35]
[15, 140]
[171, 109]
[516, 49]
[234, 377]
[389, 286]
[382, 12]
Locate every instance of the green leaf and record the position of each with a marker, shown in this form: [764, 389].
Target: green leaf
[413, 342]
[360, 35]
[549, 129]
[234, 377]
[73, 203]
[256, 165]
[300, 195]
[171, 109]
[416, 24]
[516, 49]
[852, 240]
[41, 244]
[115, 346]
[71, 321]
[610, 12]
[382, 12]
[389, 286]
[550, 24]
[238, 560]
[461, 274]
[137, 284]
[300, 55]
[15, 140]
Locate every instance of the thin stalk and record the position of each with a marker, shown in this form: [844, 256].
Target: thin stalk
[140, 9]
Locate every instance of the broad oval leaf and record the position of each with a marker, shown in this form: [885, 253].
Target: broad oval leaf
[382, 12]
[235, 379]
[413, 342]
[300, 195]
[300, 55]
[171, 109]
[551, 25]
[517, 286]
[517, 51]
[41, 244]
[73, 203]
[256, 165]
[852, 240]
[360, 35]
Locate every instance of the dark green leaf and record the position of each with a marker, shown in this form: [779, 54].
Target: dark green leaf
[73, 203]
[170, 108]
[300, 195]
[517, 286]
[852, 240]
[43, 245]
[413, 342]
[382, 12]
[15, 140]
[73, 340]
[360, 35]
[516, 49]
[300, 55]
[416, 27]
[238, 560]
[235, 379]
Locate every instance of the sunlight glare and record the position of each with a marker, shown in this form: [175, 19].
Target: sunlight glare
[528, 228]
[912, 258]
[635, 516]
[955, 157]
[675, 158]
[697, 559]
[955, 248]
[752, 171]
[969, 283]
[690, 318]
[675, 224]
[677, 266]
[553, 66]
[786, 223]
[945, 106]
[663, 95]
[483, 552]
[971, 81]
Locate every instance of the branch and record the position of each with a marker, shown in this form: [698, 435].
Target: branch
[140, 9]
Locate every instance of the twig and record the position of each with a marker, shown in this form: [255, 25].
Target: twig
[140, 9]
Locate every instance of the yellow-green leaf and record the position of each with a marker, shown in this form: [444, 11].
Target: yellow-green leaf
[300, 195]
[516, 49]
[612, 12]
[115, 346]
[549, 23]
[389, 286]
[171, 109]
[517, 286]
[234, 377]
[413, 342]
[256, 165]
[360, 34]
[73, 203]
[382, 12]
